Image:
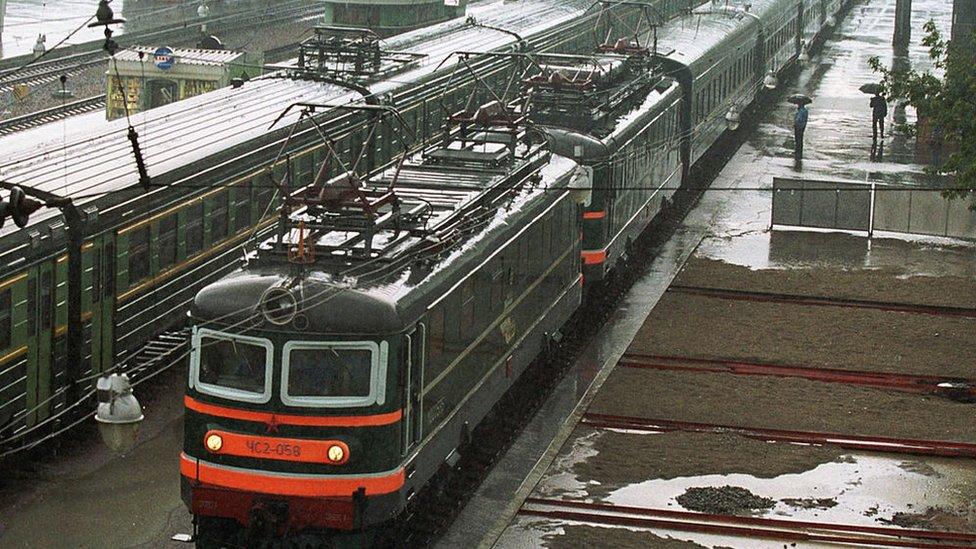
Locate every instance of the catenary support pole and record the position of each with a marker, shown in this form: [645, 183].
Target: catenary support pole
[963, 23]
[903, 25]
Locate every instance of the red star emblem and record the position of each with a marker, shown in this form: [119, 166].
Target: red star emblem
[272, 425]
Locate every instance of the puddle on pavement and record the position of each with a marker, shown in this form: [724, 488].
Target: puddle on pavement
[785, 249]
[866, 489]
[863, 489]
[857, 489]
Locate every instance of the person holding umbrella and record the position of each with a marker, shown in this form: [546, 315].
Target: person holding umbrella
[879, 109]
[800, 118]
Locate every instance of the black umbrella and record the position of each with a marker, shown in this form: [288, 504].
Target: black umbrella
[799, 99]
[871, 88]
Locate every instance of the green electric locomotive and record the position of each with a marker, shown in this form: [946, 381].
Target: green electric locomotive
[343, 365]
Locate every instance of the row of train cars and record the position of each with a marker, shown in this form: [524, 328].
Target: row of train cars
[442, 310]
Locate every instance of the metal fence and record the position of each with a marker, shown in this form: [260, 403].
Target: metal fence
[844, 205]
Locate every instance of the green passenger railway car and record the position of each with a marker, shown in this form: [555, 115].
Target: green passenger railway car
[212, 158]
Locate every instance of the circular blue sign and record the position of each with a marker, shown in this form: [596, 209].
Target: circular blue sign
[164, 58]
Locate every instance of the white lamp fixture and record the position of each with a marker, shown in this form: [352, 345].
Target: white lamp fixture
[119, 413]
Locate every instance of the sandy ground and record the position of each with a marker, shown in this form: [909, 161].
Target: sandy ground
[890, 284]
[137, 500]
[815, 336]
[782, 403]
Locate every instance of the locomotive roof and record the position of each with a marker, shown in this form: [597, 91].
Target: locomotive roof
[334, 303]
[86, 155]
[597, 149]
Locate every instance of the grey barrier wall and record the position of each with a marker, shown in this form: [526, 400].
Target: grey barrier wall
[923, 212]
[871, 207]
[822, 204]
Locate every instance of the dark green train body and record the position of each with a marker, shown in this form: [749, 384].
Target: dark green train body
[384, 349]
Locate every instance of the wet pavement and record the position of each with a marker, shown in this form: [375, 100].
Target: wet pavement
[730, 230]
[83, 496]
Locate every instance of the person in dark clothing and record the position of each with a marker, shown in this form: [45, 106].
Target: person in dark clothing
[799, 126]
[879, 110]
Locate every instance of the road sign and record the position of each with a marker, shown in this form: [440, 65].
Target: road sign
[164, 58]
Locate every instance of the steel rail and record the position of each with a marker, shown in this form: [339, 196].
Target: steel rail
[782, 532]
[939, 535]
[823, 301]
[953, 387]
[852, 442]
[38, 118]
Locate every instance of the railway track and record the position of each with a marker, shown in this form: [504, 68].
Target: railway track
[53, 114]
[822, 301]
[47, 71]
[744, 526]
[955, 388]
[850, 442]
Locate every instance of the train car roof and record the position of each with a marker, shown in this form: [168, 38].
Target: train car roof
[86, 156]
[689, 38]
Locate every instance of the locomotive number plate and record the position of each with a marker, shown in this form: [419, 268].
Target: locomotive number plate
[260, 447]
[280, 448]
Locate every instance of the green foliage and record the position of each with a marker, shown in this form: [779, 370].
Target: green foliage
[948, 102]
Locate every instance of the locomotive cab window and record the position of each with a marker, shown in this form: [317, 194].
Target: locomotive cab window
[231, 366]
[339, 374]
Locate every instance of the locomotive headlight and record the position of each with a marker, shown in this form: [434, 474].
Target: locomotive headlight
[771, 81]
[214, 442]
[336, 454]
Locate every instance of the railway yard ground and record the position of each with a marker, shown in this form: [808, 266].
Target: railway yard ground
[766, 388]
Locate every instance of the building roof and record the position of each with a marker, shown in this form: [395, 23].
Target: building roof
[187, 56]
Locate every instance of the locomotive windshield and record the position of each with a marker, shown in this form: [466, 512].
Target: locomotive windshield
[331, 373]
[236, 367]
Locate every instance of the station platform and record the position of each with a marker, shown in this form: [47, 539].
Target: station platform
[768, 388]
